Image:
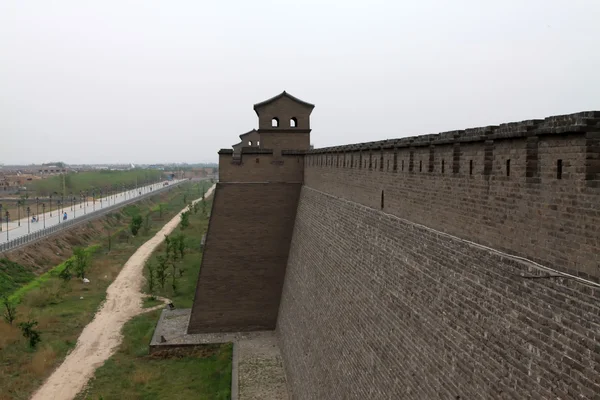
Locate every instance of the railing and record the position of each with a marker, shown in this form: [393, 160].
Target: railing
[22, 240]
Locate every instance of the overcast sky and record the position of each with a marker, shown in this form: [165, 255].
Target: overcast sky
[174, 81]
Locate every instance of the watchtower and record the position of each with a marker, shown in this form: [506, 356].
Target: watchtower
[252, 221]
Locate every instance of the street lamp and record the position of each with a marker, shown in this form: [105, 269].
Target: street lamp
[57, 211]
[100, 197]
[74, 208]
[28, 228]
[50, 205]
[37, 206]
[19, 212]
[0, 217]
[7, 215]
[72, 202]
[44, 212]
[94, 199]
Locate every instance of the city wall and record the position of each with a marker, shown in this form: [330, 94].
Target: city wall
[405, 277]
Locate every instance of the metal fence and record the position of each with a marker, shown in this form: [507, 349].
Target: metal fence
[20, 241]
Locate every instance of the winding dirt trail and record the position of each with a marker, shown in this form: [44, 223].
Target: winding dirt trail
[100, 338]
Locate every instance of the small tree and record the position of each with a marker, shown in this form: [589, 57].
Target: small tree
[203, 207]
[28, 330]
[147, 224]
[161, 207]
[136, 224]
[174, 277]
[185, 219]
[10, 311]
[82, 260]
[161, 270]
[151, 276]
[168, 246]
[67, 273]
[181, 245]
[196, 207]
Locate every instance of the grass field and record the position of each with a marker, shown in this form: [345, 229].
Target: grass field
[76, 182]
[62, 309]
[133, 374]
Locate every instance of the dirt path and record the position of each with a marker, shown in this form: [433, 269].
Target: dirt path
[100, 338]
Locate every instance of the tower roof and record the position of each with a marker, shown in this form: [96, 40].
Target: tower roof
[279, 96]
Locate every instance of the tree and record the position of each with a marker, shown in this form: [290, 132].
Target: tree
[161, 270]
[136, 224]
[151, 276]
[161, 207]
[203, 207]
[66, 274]
[181, 245]
[10, 311]
[196, 207]
[168, 246]
[185, 219]
[108, 236]
[174, 277]
[28, 330]
[82, 260]
[147, 224]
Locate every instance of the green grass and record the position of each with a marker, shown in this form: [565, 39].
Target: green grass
[76, 182]
[149, 302]
[18, 295]
[133, 374]
[12, 276]
[190, 265]
[64, 308]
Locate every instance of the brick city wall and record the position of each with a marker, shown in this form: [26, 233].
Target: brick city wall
[531, 189]
[245, 257]
[377, 307]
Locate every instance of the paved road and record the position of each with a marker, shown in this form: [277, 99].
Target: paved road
[46, 220]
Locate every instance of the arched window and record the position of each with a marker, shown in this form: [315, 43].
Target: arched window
[258, 142]
[250, 143]
[275, 122]
[293, 122]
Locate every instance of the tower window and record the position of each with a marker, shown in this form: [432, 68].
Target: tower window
[293, 122]
[258, 142]
[559, 167]
[275, 122]
[250, 143]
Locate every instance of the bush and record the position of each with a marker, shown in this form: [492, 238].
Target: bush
[28, 330]
[185, 219]
[136, 224]
[10, 311]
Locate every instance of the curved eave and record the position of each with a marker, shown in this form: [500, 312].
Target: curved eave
[280, 95]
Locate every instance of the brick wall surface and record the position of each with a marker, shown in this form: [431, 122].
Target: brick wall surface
[245, 257]
[261, 168]
[465, 189]
[376, 307]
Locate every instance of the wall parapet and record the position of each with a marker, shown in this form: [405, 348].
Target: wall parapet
[587, 121]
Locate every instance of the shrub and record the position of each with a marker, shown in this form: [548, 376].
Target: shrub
[28, 330]
[136, 224]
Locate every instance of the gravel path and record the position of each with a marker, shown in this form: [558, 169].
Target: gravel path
[100, 338]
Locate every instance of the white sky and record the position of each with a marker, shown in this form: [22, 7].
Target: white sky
[156, 81]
